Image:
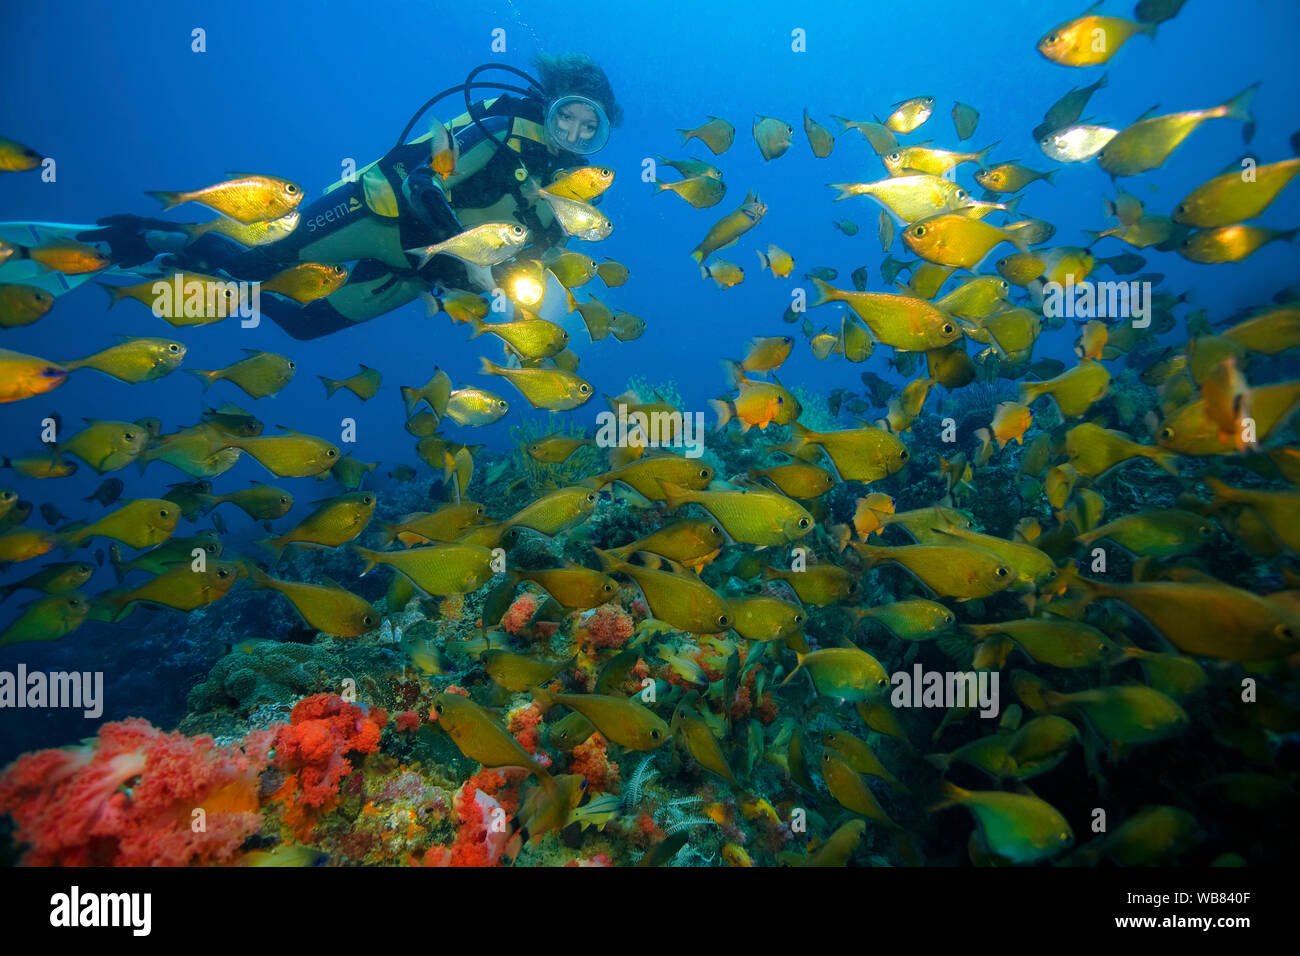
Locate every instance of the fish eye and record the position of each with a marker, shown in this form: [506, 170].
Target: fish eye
[902, 455]
[826, 758]
[704, 472]
[340, 270]
[284, 501]
[798, 618]
[367, 500]
[438, 708]
[584, 389]
[591, 497]
[1285, 632]
[173, 347]
[331, 453]
[918, 231]
[291, 365]
[222, 573]
[803, 522]
[211, 549]
[949, 618]
[607, 587]
[895, 156]
[961, 193]
[1002, 572]
[1205, 531]
[291, 189]
[1166, 433]
[883, 682]
[368, 619]
[1180, 209]
[780, 400]
[517, 230]
[1051, 38]
[129, 436]
[724, 620]
[715, 530]
[947, 328]
[502, 404]
[162, 512]
[654, 733]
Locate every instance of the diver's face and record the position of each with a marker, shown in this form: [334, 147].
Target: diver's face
[576, 124]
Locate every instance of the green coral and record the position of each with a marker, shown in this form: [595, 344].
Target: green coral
[541, 477]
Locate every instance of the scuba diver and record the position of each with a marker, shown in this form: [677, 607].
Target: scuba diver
[509, 145]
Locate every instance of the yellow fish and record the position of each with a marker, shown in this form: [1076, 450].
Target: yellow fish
[951, 239]
[260, 375]
[751, 517]
[1149, 142]
[964, 573]
[291, 455]
[717, 134]
[247, 199]
[730, 228]
[142, 523]
[773, 136]
[550, 388]
[902, 321]
[364, 384]
[1074, 391]
[1230, 198]
[48, 619]
[623, 721]
[25, 376]
[22, 305]
[436, 569]
[134, 360]
[1091, 39]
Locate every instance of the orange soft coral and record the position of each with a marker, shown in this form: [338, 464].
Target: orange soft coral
[592, 761]
[130, 799]
[313, 748]
[520, 613]
[606, 626]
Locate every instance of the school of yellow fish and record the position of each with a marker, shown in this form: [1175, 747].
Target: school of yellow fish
[1119, 605]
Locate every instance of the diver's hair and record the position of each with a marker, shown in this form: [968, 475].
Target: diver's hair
[579, 74]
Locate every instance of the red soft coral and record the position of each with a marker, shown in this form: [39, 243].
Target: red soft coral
[314, 746]
[520, 613]
[129, 799]
[592, 761]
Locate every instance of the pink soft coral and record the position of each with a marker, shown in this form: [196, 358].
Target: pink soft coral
[520, 613]
[607, 626]
[129, 799]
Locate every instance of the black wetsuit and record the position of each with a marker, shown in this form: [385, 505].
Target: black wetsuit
[395, 204]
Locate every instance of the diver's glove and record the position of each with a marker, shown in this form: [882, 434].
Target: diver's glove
[133, 240]
[430, 205]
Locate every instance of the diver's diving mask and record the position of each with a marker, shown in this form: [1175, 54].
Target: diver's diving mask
[577, 124]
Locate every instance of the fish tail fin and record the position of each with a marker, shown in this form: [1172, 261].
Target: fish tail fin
[544, 699]
[940, 762]
[488, 367]
[660, 185]
[1049, 177]
[685, 135]
[168, 199]
[610, 560]
[764, 261]
[331, 385]
[1150, 30]
[1238, 107]
[275, 546]
[371, 558]
[115, 559]
[980, 156]
[952, 796]
[674, 495]
[798, 668]
[1166, 460]
[1030, 391]
[698, 256]
[114, 292]
[871, 554]
[723, 409]
[387, 532]
[1221, 490]
[846, 190]
[825, 293]
[477, 324]
[207, 378]
[410, 398]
